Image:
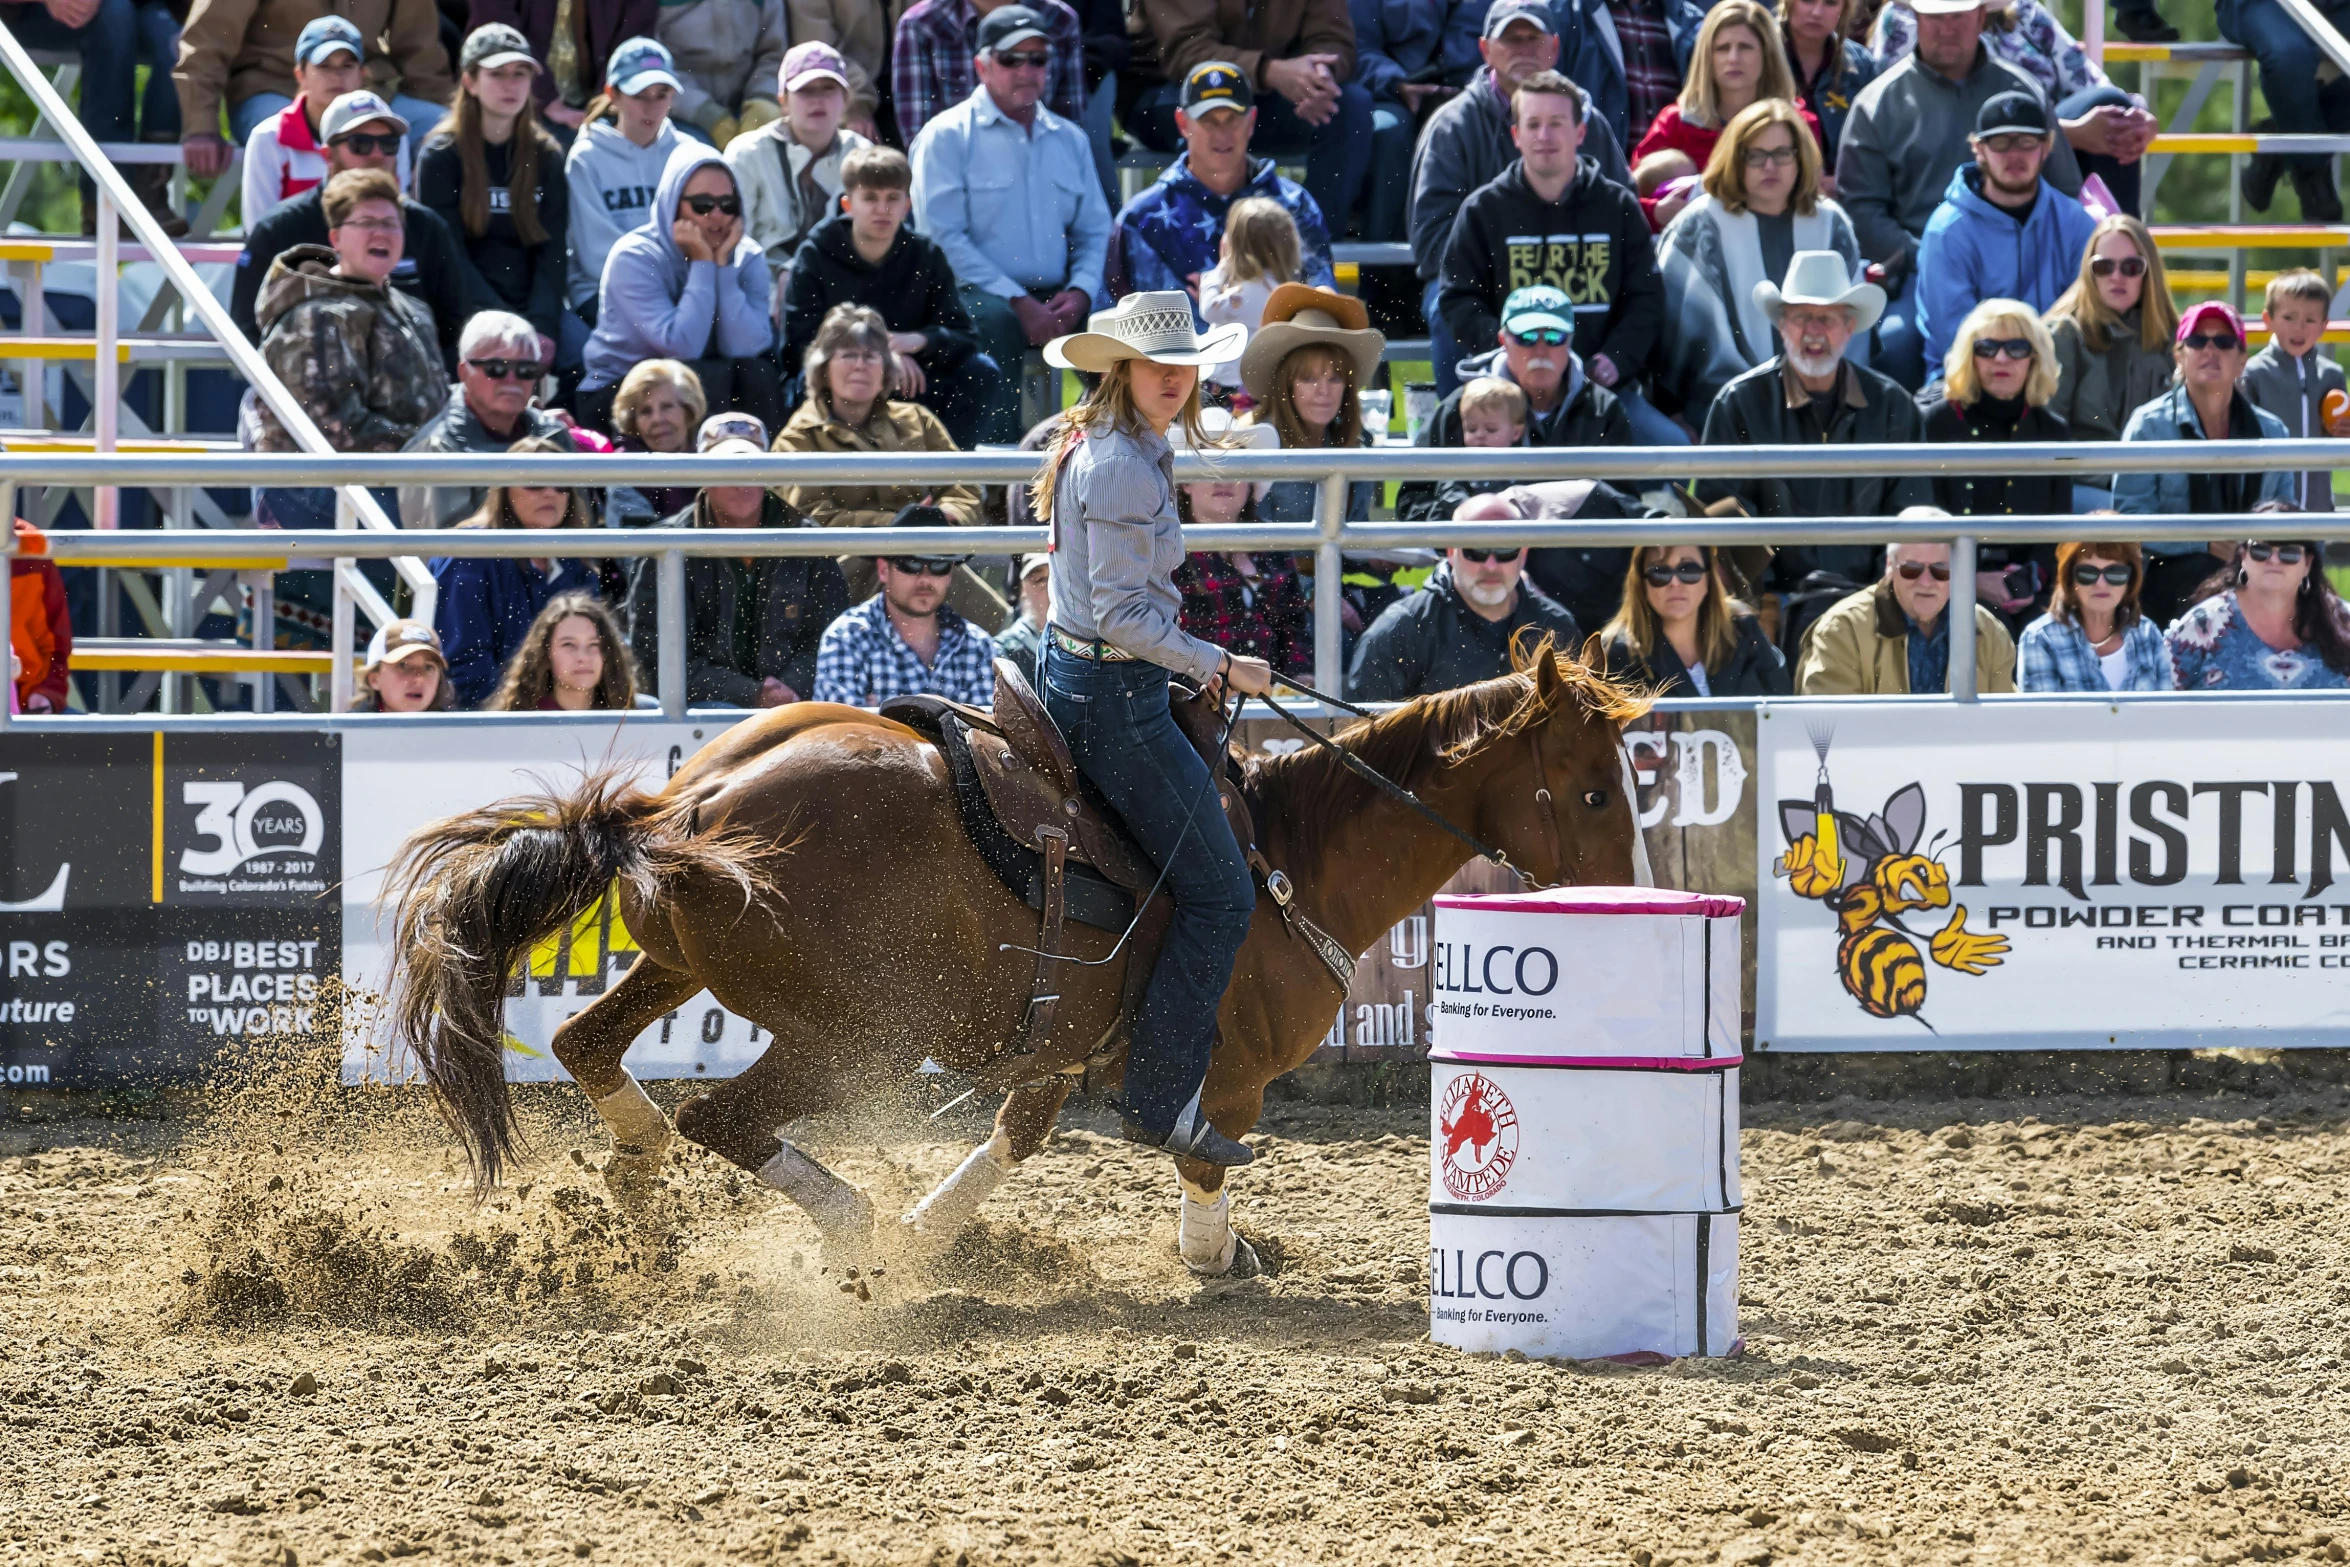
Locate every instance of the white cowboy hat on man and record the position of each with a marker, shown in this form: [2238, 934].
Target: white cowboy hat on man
[1154, 325]
[1818, 277]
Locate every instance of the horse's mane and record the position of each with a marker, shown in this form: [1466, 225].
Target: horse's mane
[1310, 790]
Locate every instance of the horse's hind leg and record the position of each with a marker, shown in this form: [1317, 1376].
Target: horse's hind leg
[590, 1046]
[1021, 1127]
[737, 1120]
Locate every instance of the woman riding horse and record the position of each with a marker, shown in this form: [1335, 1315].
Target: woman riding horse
[1107, 491]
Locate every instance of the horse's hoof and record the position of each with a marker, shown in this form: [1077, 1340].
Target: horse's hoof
[1246, 1264]
[633, 1180]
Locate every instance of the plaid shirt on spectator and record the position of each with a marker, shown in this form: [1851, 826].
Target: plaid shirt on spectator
[1266, 616]
[1652, 77]
[2055, 655]
[930, 62]
[862, 660]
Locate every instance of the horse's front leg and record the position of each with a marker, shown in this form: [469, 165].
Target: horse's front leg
[1211, 1247]
[1021, 1127]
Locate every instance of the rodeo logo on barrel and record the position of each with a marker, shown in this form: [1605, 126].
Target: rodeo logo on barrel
[1480, 1130]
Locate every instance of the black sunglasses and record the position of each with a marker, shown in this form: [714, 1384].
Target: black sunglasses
[1032, 60]
[2285, 554]
[1482, 557]
[1911, 570]
[926, 565]
[2127, 266]
[507, 369]
[2087, 576]
[386, 145]
[703, 206]
[2225, 341]
[2012, 347]
[1692, 571]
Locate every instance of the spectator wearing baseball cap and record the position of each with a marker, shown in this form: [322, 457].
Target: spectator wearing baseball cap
[729, 55]
[933, 60]
[239, 54]
[1172, 233]
[496, 178]
[1599, 252]
[1022, 639]
[2208, 403]
[1007, 187]
[1298, 56]
[568, 88]
[405, 672]
[790, 171]
[2002, 231]
[615, 166]
[1467, 144]
[906, 639]
[286, 154]
[361, 131]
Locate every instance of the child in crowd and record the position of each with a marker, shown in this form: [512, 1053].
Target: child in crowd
[1666, 181]
[1259, 252]
[573, 660]
[496, 179]
[405, 671]
[1493, 413]
[2292, 375]
[615, 167]
[285, 155]
[790, 170]
[40, 632]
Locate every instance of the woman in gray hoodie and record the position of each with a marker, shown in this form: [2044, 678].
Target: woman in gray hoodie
[687, 284]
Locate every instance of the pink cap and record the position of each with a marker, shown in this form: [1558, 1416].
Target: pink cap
[2196, 314]
[1603, 900]
[810, 62]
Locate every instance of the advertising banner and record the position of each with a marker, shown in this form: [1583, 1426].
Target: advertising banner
[2068, 875]
[160, 895]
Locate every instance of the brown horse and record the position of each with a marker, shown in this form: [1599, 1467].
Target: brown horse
[809, 869]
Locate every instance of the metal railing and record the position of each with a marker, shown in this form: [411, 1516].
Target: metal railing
[1326, 538]
[354, 508]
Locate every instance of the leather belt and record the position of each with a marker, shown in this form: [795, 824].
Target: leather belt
[1089, 647]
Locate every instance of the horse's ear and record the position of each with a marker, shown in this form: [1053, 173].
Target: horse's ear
[1532, 652]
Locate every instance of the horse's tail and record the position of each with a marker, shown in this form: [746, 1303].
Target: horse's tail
[472, 893]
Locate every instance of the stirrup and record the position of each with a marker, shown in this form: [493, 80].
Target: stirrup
[1193, 1137]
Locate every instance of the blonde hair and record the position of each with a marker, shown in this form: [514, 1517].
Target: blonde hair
[2099, 323]
[1111, 402]
[1637, 623]
[1698, 105]
[1263, 240]
[2299, 283]
[1959, 381]
[1491, 391]
[636, 389]
[1725, 168]
[1786, 14]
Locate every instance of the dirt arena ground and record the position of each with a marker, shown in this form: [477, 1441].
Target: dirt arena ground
[2038, 1330]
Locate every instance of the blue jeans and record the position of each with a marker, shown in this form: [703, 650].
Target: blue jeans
[422, 115]
[1393, 131]
[1127, 746]
[1442, 350]
[1900, 350]
[2288, 67]
[1338, 151]
[1649, 427]
[1101, 106]
[1003, 344]
[2125, 180]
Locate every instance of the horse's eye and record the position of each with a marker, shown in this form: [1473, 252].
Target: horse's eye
[1595, 798]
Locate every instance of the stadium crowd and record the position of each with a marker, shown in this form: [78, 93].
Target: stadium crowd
[730, 226]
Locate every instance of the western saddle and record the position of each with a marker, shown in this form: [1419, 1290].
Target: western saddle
[1054, 845]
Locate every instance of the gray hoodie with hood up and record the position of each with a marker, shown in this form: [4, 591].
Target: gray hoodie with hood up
[655, 304]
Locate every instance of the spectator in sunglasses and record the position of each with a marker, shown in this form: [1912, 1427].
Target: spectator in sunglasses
[906, 639]
[933, 59]
[2274, 623]
[2113, 331]
[1456, 629]
[360, 131]
[495, 176]
[489, 409]
[687, 285]
[2207, 404]
[751, 622]
[1682, 631]
[1995, 386]
[2094, 636]
[1893, 638]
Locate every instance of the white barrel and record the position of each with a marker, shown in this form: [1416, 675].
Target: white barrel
[1636, 972]
[1591, 1287]
[1583, 1138]
[1583, 1188]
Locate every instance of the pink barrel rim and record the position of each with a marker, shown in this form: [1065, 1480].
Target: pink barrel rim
[1592, 1063]
[1602, 900]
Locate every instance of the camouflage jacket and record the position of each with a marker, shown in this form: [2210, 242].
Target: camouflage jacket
[363, 359]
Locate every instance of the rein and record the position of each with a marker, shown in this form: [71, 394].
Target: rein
[1404, 797]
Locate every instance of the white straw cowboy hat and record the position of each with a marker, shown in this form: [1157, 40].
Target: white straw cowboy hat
[1155, 326]
[1298, 314]
[1817, 277]
[1225, 436]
